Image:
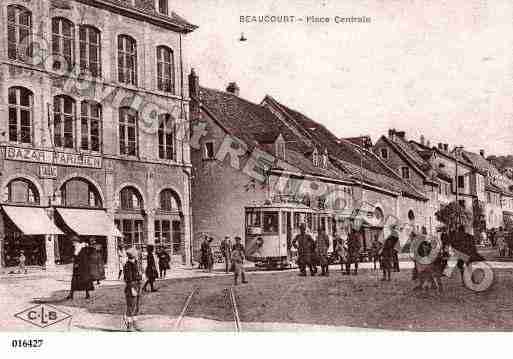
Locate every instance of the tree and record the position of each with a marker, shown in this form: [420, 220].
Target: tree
[452, 215]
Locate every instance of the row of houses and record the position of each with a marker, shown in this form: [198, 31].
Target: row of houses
[298, 157]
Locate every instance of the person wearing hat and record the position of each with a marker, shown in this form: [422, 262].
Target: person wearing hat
[226, 252]
[305, 246]
[152, 272]
[132, 277]
[81, 277]
[21, 263]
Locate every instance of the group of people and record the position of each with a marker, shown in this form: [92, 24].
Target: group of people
[233, 256]
[88, 265]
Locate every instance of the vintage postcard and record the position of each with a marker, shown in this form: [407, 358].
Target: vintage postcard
[255, 166]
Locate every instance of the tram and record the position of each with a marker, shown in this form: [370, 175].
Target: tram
[270, 229]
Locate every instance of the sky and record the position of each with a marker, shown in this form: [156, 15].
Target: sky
[442, 69]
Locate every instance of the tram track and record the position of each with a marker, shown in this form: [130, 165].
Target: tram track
[229, 299]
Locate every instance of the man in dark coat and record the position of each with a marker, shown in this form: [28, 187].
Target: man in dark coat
[305, 246]
[387, 253]
[133, 278]
[81, 278]
[321, 246]
[354, 246]
[464, 244]
[164, 260]
[96, 264]
[226, 250]
[151, 272]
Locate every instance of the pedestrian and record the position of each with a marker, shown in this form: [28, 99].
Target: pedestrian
[226, 252]
[206, 254]
[321, 247]
[96, 264]
[462, 242]
[21, 263]
[122, 258]
[237, 258]
[164, 262]
[151, 271]
[375, 248]
[132, 277]
[339, 246]
[353, 247]
[81, 277]
[429, 268]
[387, 253]
[210, 255]
[305, 246]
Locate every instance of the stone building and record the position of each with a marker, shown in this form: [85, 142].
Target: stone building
[93, 143]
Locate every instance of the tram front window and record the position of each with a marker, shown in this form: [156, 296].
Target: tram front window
[270, 222]
[253, 219]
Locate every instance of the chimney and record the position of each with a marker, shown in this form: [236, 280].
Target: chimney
[391, 133]
[428, 144]
[482, 153]
[440, 146]
[401, 134]
[193, 85]
[446, 147]
[422, 140]
[233, 88]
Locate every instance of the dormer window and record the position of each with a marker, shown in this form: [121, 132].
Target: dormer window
[384, 153]
[279, 147]
[315, 157]
[163, 7]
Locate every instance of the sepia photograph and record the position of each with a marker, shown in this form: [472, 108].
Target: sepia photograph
[223, 166]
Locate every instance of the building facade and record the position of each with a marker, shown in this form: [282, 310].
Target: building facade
[93, 101]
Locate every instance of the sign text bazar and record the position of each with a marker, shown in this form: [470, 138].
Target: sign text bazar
[52, 157]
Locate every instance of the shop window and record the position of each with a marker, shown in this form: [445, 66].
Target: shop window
[63, 43]
[128, 122]
[165, 69]
[166, 137]
[22, 191]
[169, 201]
[80, 193]
[133, 232]
[19, 31]
[131, 199]
[163, 234]
[90, 50]
[63, 121]
[20, 114]
[90, 126]
[127, 60]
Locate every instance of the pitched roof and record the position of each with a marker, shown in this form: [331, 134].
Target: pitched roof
[346, 154]
[258, 127]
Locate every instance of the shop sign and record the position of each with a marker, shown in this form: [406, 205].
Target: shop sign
[47, 171]
[52, 157]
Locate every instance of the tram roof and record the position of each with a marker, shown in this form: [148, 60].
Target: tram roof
[283, 206]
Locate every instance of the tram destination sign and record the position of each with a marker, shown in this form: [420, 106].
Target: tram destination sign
[52, 157]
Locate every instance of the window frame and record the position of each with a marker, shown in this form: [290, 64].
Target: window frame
[19, 108]
[166, 128]
[405, 173]
[384, 153]
[62, 39]
[30, 188]
[127, 70]
[163, 7]
[64, 117]
[85, 47]
[166, 70]
[206, 155]
[134, 192]
[124, 127]
[89, 120]
[18, 27]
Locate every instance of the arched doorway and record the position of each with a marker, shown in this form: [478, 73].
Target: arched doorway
[169, 223]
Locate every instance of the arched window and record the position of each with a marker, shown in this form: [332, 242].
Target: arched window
[166, 137]
[20, 114]
[131, 199]
[90, 125]
[19, 30]
[21, 190]
[165, 69]
[128, 131]
[63, 42]
[63, 121]
[127, 60]
[78, 192]
[90, 50]
[169, 201]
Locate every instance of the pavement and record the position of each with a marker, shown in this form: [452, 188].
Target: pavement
[21, 291]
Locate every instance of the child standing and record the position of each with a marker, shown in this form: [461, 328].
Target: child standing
[21, 263]
[237, 258]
